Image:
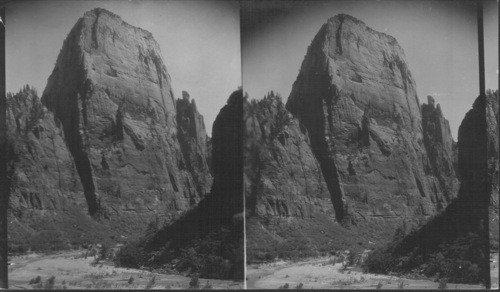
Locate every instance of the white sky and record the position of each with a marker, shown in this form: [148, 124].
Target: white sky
[199, 40]
[439, 39]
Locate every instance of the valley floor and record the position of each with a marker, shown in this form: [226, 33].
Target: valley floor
[320, 273]
[72, 271]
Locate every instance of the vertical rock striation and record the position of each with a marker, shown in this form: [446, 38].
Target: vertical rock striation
[44, 171]
[282, 176]
[43, 176]
[112, 94]
[357, 99]
[284, 184]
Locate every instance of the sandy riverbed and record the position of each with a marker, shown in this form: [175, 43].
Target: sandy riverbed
[321, 274]
[72, 271]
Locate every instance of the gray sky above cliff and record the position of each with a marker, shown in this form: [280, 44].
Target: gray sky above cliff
[439, 39]
[199, 40]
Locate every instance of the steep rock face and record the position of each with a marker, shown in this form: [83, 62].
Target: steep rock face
[289, 211]
[43, 175]
[357, 99]
[112, 94]
[44, 170]
[439, 146]
[193, 140]
[282, 176]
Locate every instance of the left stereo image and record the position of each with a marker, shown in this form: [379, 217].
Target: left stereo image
[124, 137]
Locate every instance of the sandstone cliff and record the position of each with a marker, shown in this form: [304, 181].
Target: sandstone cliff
[288, 205]
[112, 94]
[193, 140]
[282, 176]
[439, 146]
[44, 167]
[129, 151]
[43, 176]
[357, 98]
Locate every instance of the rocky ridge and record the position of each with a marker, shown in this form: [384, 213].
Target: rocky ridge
[42, 172]
[439, 147]
[194, 142]
[126, 152]
[283, 178]
[287, 199]
[44, 169]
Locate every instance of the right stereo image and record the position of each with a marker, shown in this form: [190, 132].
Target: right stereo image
[370, 144]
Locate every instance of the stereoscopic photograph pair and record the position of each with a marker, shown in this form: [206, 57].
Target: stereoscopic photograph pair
[249, 144]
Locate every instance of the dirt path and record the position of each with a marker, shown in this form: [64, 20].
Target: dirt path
[321, 274]
[72, 271]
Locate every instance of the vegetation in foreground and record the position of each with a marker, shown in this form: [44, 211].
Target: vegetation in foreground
[216, 255]
[435, 250]
[295, 238]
